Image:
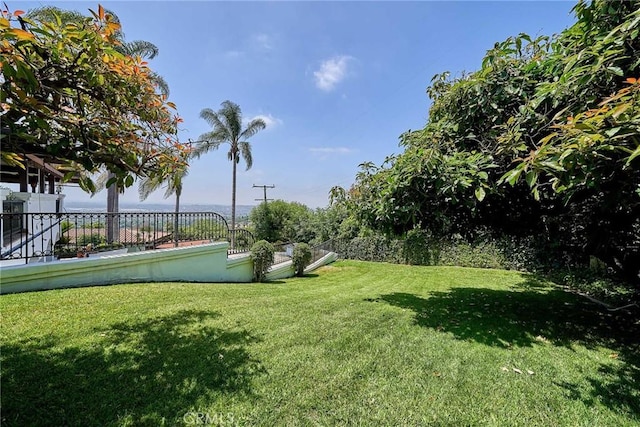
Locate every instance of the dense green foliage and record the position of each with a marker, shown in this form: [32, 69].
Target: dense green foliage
[301, 257]
[70, 92]
[366, 344]
[543, 141]
[281, 221]
[262, 256]
[419, 248]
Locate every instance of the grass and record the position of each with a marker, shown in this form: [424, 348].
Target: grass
[357, 344]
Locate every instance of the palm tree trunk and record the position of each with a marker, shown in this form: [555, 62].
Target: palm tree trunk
[233, 201]
[112, 207]
[175, 219]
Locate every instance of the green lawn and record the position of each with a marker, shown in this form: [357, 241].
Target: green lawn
[356, 344]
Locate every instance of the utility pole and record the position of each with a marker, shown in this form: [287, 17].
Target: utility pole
[264, 187]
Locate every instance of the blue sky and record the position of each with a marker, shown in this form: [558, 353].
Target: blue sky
[336, 82]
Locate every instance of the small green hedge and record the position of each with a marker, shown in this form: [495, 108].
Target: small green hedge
[262, 256]
[301, 257]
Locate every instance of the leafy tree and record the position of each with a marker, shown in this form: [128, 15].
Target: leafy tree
[543, 140]
[228, 128]
[281, 221]
[68, 93]
[140, 48]
[333, 222]
[262, 223]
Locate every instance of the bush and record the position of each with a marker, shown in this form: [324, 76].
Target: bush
[93, 239]
[262, 256]
[301, 257]
[419, 248]
[375, 248]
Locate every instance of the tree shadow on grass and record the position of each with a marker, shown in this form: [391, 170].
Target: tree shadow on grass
[538, 315]
[145, 373]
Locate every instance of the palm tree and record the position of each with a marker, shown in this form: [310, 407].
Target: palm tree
[227, 128]
[147, 50]
[173, 185]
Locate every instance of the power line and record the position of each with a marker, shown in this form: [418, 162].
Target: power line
[264, 188]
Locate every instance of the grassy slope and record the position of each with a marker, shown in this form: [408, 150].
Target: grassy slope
[358, 344]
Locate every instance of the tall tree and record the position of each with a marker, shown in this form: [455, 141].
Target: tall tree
[545, 135]
[101, 111]
[136, 48]
[227, 128]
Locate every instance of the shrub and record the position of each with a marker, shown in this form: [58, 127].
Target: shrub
[375, 248]
[301, 257]
[262, 256]
[93, 239]
[419, 248]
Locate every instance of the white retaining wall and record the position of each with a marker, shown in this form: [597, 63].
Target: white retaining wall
[207, 263]
[203, 263]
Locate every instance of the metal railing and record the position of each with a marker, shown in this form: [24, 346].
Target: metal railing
[282, 252]
[242, 242]
[50, 236]
[322, 249]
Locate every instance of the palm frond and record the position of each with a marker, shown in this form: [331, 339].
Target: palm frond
[48, 14]
[141, 48]
[147, 186]
[227, 127]
[162, 84]
[101, 180]
[232, 117]
[213, 118]
[245, 149]
[114, 18]
[206, 142]
[252, 128]
[172, 184]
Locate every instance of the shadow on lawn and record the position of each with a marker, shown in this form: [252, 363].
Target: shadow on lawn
[536, 314]
[144, 373]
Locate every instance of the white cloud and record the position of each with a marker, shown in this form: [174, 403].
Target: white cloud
[263, 41]
[331, 150]
[332, 71]
[270, 121]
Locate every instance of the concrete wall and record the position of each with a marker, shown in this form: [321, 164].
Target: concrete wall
[204, 263]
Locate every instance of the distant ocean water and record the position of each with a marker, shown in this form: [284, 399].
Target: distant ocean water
[224, 210]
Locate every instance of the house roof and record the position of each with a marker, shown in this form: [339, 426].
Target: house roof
[46, 163]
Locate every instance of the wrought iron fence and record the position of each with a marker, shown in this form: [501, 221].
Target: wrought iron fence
[63, 235]
[322, 249]
[282, 252]
[241, 242]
